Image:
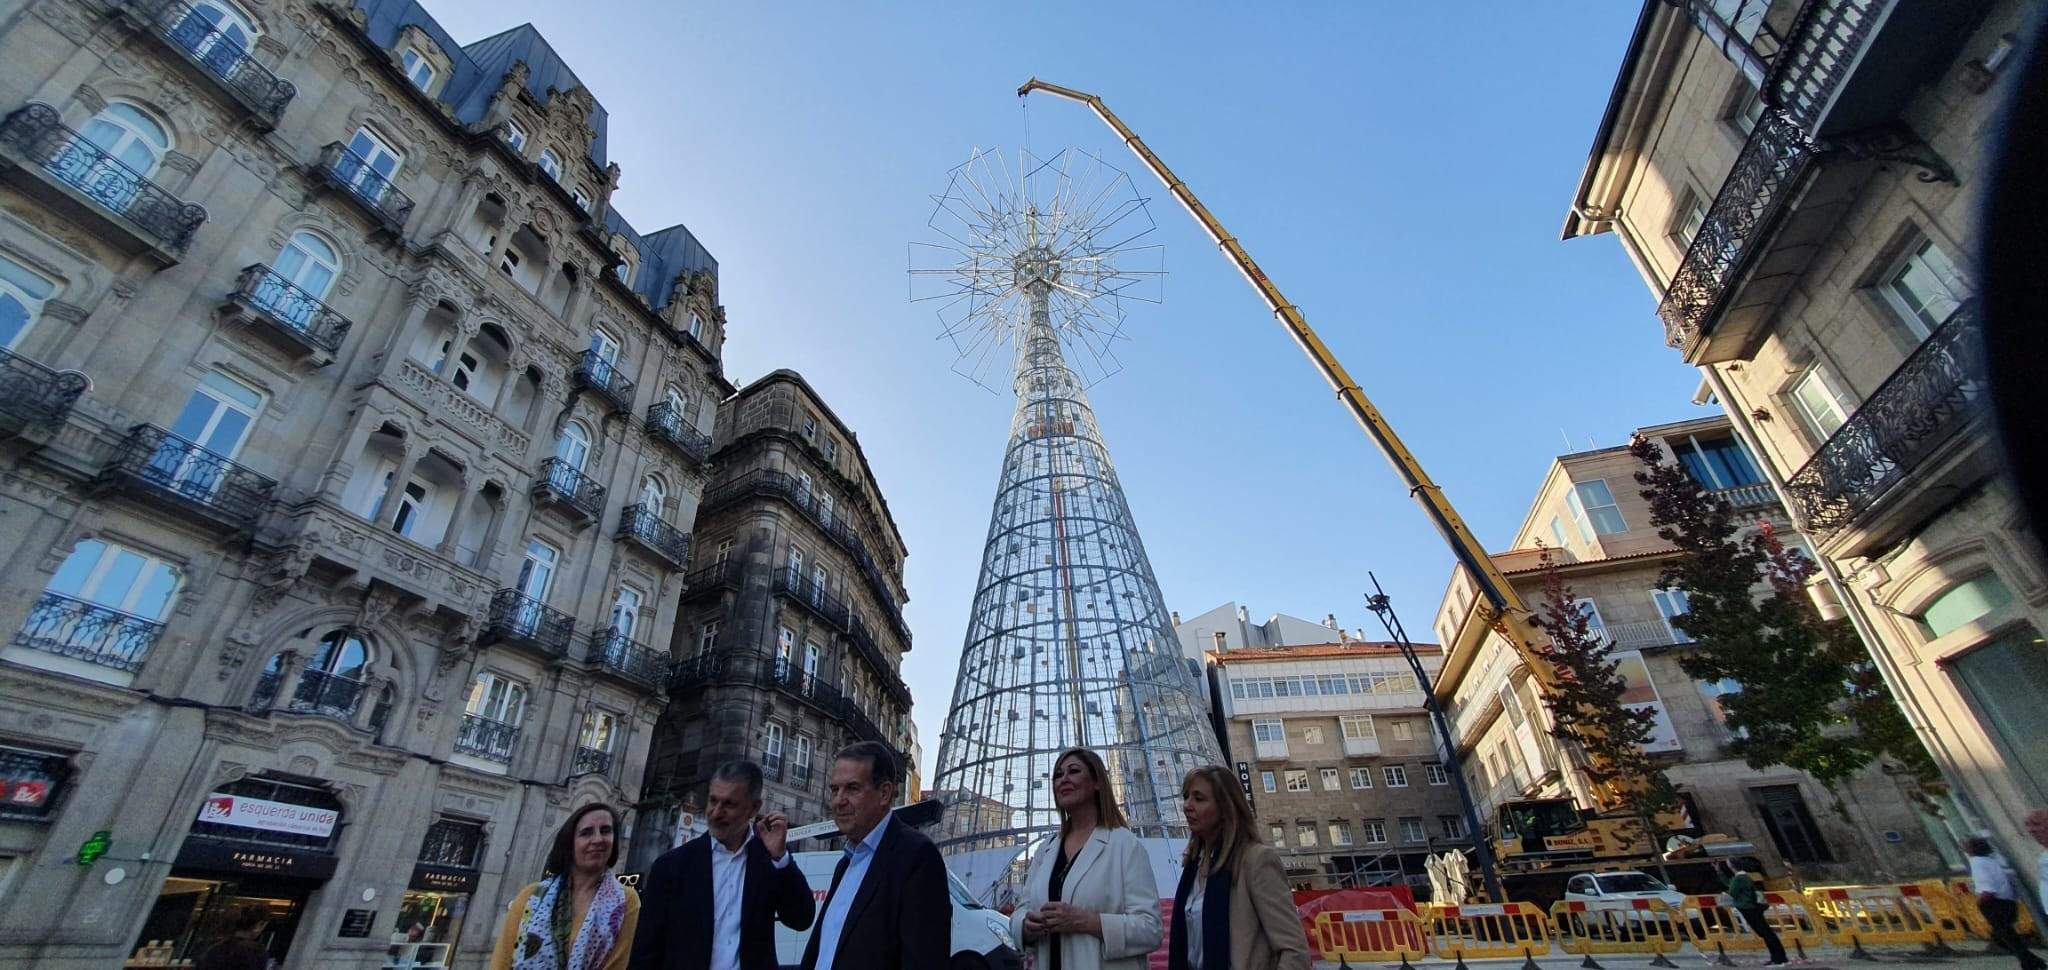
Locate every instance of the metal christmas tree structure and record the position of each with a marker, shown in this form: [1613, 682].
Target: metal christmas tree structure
[1069, 642]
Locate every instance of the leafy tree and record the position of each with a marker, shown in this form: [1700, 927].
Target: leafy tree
[1804, 681]
[1587, 708]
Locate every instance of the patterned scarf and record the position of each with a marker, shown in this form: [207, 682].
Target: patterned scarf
[548, 942]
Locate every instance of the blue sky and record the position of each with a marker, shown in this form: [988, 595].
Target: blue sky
[1399, 169]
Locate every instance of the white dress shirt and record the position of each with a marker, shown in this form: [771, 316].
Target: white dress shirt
[833, 920]
[728, 890]
[1988, 875]
[1191, 920]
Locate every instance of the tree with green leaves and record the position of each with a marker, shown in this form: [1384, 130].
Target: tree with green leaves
[1809, 696]
[1588, 712]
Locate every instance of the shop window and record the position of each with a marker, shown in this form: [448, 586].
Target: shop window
[1792, 828]
[2004, 681]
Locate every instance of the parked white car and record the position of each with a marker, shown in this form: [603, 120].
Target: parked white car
[1625, 884]
[981, 936]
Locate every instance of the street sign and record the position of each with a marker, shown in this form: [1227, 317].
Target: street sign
[94, 846]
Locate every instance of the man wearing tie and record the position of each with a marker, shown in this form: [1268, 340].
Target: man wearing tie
[888, 908]
[712, 904]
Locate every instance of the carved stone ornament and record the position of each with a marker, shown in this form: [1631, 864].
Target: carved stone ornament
[377, 605]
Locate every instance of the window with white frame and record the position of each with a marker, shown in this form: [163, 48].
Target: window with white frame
[1671, 604]
[1593, 510]
[418, 69]
[1437, 774]
[1312, 735]
[1452, 826]
[1305, 834]
[1691, 216]
[116, 578]
[1297, 779]
[514, 135]
[1268, 782]
[550, 163]
[1557, 539]
[1357, 727]
[1331, 782]
[1268, 731]
[375, 164]
[1340, 833]
[1412, 830]
[1404, 731]
[831, 448]
[1397, 776]
[810, 428]
[696, 326]
[23, 292]
[130, 135]
[1279, 834]
[582, 198]
[495, 697]
[707, 636]
[724, 551]
[800, 760]
[785, 650]
[600, 729]
[1749, 108]
[1361, 778]
[1823, 402]
[1923, 287]
[1594, 626]
[771, 749]
[1375, 832]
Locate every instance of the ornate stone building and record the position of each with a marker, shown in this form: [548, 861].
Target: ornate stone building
[790, 638]
[1797, 182]
[348, 441]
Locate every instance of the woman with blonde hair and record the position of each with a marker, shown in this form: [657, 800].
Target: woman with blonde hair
[578, 916]
[1089, 901]
[1233, 910]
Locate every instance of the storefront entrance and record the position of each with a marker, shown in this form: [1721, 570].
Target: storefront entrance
[199, 909]
[437, 898]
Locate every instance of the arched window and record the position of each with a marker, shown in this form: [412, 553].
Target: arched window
[678, 402]
[654, 495]
[309, 263]
[1963, 604]
[550, 163]
[333, 682]
[574, 446]
[216, 32]
[22, 295]
[626, 612]
[341, 654]
[130, 135]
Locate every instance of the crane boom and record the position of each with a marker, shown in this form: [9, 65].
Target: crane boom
[1508, 613]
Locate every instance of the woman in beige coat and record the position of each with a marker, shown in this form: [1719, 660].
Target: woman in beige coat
[1089, 901]
[1233, 910]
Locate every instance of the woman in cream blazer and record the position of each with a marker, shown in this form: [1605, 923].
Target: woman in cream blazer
[1232, 909]
[1089, 901]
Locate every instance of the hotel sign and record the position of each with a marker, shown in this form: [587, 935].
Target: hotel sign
[257, 813]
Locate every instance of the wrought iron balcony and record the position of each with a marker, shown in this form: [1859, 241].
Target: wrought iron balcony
[864, 642]
[86, 631]
[700, 671]
[591, 761]
[666, 425]
[614, 652]
[835, 526]
[594, 373]
[310, 325]
[1744, 212]
[786, 676]
[266, 689]
[712, 578]
[1919, 408]
[331, 695]
[157, 465]
[566, 488]
[642, 524]
[375, 193]
[35, 139]
[814, 598]
[34, 397]
[520, 619]
[482, 737]
[217, 57]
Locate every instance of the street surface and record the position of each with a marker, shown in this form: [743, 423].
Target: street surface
[1972, 956]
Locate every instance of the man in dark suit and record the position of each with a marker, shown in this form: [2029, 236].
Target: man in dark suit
[712, 904]
[888, 908]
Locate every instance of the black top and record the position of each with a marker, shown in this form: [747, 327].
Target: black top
[675, 901]
[1053, 887]
[888, 923]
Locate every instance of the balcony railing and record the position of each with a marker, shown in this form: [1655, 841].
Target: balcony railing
[223, 58]
[518, 618]
[1744, 212]
[328, 694]
[642, 523]
[618, 653]
[864, 643]
[163, 464]
[563, 485]
[1755, 495]
[591, 761]
[301, 314]
[785, 675]
[700, 670]
[85, 631]
[366, 185]
[718, 575]
[38, 134]
[593, 372]
[34, 396]
[482, 737]
[1914, 412]
[1629, 636]
[814, 597]
[666, 425]
[835, 526]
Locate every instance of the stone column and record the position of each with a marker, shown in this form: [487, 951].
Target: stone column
[451, 541]
[342, 468]
[289, 672]
[388, 505]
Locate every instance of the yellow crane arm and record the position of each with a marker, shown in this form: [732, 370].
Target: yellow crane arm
[1509, 615]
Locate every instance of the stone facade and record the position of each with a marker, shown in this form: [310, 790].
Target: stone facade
[1335, 749]
[1831, 315]
[1591, 520]
[791, 637]
[334, 482]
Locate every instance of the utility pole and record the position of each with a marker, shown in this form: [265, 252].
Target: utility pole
[1382, 606]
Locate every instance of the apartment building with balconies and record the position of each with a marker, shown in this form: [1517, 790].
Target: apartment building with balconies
[351, 441]
[1334, 748]
[790, 638]
[1591, 522]
[1797, 182]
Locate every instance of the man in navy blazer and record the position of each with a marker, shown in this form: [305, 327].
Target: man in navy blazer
[712, 904]
[888, 908]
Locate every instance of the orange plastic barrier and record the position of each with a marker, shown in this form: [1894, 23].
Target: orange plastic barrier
[1616, 926]
[1856, 915]
[1370, 935]
[1487, 930]
[1712, 921]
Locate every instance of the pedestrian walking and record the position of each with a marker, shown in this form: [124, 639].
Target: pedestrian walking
[1232, 910]
[1089, 901]
[1997, 901]
[713, 903]
[578, 916]
[1748, 899]
[888, 906]
[242, 951]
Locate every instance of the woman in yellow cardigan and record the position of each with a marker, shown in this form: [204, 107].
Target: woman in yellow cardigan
[578, 916]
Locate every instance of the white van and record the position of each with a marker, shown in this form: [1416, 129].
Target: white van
[981, 936]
